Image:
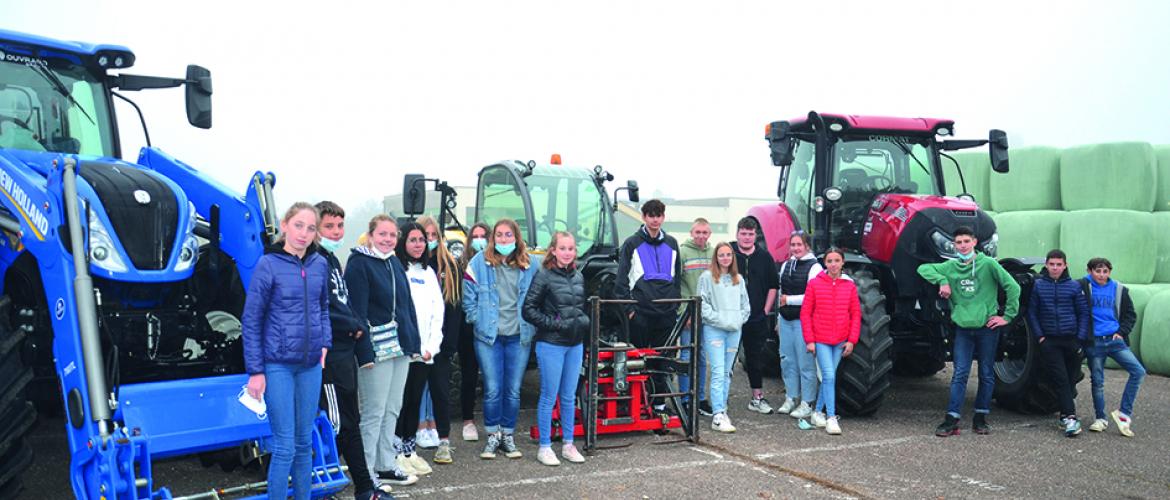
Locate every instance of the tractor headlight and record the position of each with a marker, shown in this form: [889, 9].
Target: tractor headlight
[102, 252]
[944, 245]
[189, 252]
[991, 246]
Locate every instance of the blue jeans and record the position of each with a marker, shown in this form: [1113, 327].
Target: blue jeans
[973, 344]
[502, 364]
[797, 365]
[292, 394]
[426, 407]
[684, 381]
[828, 358]
[720, 347]
[1116, 349]
[560, 369]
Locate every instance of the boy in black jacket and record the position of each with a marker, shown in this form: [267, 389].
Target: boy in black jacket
[649, 268]
[1111, 318]
[1059, 318]
[757, 266]
[339, 378]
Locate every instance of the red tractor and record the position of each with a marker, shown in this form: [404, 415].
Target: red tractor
[874, 187]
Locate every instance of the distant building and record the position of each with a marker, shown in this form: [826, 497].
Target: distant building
[723, 213]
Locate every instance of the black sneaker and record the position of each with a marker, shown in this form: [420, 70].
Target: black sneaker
[397, 477]
[979, 424]
[949, 427]
[705, 408]
[508, 446]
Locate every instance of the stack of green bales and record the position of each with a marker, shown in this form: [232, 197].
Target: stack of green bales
[1109, 200]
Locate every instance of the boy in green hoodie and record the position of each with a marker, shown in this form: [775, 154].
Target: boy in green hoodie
[696, 254]
[972, 283]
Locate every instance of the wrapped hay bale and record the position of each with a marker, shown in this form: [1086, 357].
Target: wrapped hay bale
[1155, 339]
[976, 170]
[1162, 157]
[1115, 175]
[1141, 295]
[1122, 236]
[1033, 182]
[1028, 234]
[1162, 236]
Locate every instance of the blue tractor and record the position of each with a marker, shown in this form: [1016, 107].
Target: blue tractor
[123, 282]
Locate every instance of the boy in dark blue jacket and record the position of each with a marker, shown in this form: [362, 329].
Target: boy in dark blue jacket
[1059, 318]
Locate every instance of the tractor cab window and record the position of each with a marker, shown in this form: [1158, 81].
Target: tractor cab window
[798, 190]
[53, 105]
[566, 199]
[502, 197]
[867, 166]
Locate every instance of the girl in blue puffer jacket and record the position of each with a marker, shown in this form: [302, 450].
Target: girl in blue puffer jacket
[286, 334]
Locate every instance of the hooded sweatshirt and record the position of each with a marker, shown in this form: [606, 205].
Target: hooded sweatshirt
[760, 271]
[379, 293]
[725, 304]
[649, 268]
[1112, 308]
[695, 260]
[1057, 308]
[975, 289]
[831, 312]
[342, 319]
[428, 307]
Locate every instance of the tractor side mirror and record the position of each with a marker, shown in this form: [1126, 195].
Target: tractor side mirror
[414, 197]
[198, 88]
[781, 143]
[632, 187]
[997, 144]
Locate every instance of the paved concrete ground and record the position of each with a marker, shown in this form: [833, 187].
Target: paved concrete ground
[892, 455]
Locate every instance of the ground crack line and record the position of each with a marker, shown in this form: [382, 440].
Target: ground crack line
[813, 478]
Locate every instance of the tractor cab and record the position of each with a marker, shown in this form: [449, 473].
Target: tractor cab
[842, 172]
[544, 199]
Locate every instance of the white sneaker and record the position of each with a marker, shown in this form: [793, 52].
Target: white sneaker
[802, 411]
[434, 434]
[570, 453]
[1099, 425]
[832, 427]
[421, 467]
[425, 439]
[787, 407]
[470, 433]
[721, 423]
[818, 419]
[1123, 422]
[546, 456]
[760, 406]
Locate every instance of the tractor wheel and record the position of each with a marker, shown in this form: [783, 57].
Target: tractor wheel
[917, 365]
[863, 377]
[1020, 382]
[15, 410]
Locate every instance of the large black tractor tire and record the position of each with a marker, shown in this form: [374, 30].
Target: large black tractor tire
[15, 410]
[917, 365]
[863, 377]
[1021, 383]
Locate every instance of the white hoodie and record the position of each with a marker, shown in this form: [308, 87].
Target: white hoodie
[428, 308]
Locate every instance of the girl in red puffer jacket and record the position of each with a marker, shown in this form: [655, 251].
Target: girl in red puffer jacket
[830, 319]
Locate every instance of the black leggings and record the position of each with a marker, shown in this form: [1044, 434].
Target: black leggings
[469, 370]
[440, 386]
[416, 379]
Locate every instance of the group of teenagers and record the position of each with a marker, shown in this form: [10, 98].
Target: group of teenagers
[373, 343]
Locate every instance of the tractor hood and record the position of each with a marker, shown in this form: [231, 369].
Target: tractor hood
[903, 223]
[139, 224]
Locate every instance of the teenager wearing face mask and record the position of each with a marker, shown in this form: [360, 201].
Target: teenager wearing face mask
[428, 310]
[379, 296]
[495, 285]
[475, 243]
[972, 283]
[339, 396]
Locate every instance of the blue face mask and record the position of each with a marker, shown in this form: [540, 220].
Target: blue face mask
[331, 245]
[967, 256]
[505, 249]
[479, 244]
[432, 245]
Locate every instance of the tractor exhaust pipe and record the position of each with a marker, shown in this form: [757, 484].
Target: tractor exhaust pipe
[83, 291]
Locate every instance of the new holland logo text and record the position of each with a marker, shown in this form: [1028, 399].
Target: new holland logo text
[28, 208]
